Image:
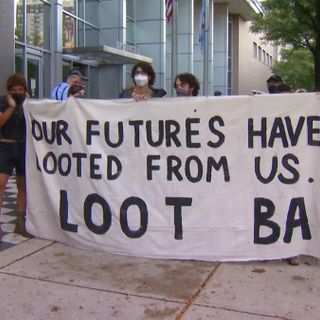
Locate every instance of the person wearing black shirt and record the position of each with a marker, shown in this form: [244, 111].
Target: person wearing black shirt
[12, 144]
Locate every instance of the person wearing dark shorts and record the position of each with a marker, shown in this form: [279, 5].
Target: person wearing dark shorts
[12, 144]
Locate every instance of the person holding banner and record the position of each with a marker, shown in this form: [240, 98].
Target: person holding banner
[273, 83]
[186, 85]
[12, 144]
[143, 77]
[77, 90]
[60, 92]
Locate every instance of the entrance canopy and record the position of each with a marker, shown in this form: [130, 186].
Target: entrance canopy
[244, 8]
[102, 55]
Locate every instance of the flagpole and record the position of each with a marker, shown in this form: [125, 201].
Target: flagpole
[206, 51]
[174, 44]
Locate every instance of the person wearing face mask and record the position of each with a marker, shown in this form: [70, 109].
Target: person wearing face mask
[143, 77]
[273, 83]
[186, 85]
[12, 144]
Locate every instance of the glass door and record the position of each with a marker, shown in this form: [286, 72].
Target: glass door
[34, 72]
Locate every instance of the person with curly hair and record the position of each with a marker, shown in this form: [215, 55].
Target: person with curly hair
[186, 85]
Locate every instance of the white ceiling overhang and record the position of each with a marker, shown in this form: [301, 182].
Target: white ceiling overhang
[102, 55]
[244, 8]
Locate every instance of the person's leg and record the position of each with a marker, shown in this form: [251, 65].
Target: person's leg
[21, 196]
[21, 186]
[21, 207]
[5, 172]
[3, 182]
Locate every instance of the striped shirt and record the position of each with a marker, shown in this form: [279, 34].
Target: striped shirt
[60, 92]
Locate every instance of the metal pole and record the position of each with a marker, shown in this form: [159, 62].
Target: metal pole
[206, 51]
[174, 44]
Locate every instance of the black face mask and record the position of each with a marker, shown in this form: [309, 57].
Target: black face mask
[18, 98]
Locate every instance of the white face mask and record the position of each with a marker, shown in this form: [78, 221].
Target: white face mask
[141, 80]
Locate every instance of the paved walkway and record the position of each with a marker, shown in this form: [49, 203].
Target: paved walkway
[9, 216]
[45, 280]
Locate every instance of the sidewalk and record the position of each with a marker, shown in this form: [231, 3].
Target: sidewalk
[42, 279]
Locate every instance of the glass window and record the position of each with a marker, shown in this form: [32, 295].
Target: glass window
[38, 23]
[80, 34]
[91, 36]
[69, 31]
[19, 59]
[81, 9]
[255, 50]
[33, 77]
[69, 5]
[130, 32]
[66, 67]
[130, 22]
[259, 53]
[130, 9]
[19, 21]
[46, 70]
[268, 59]
[92, 11]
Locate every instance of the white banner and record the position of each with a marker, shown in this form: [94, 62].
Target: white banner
[208, 178]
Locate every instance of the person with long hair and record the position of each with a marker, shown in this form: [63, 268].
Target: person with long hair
[143, 77]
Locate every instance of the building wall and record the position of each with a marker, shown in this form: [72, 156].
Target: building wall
[198, 59]
[221, 39]
[7, 40]
[185, 43]
[112, 20]
[150, 35]
[250, 72]
[152, 38]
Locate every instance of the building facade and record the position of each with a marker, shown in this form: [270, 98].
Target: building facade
[44, 39]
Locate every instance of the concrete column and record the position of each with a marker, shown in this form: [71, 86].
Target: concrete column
[235, 54]
[185, 34]
[150, 35]
[220, 57]
[7, 40]
[56, 43]
[112, 17]
[198, 55]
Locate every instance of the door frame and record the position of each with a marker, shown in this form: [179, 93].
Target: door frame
[35, 55]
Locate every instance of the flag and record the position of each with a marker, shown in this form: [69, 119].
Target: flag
[202, 38]
[169, 9]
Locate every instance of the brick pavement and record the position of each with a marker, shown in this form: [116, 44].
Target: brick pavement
[9, 216]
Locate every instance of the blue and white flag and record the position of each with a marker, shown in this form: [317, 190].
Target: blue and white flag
[202, 38]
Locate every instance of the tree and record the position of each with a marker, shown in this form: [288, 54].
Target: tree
[296, 68]
[292, 22]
